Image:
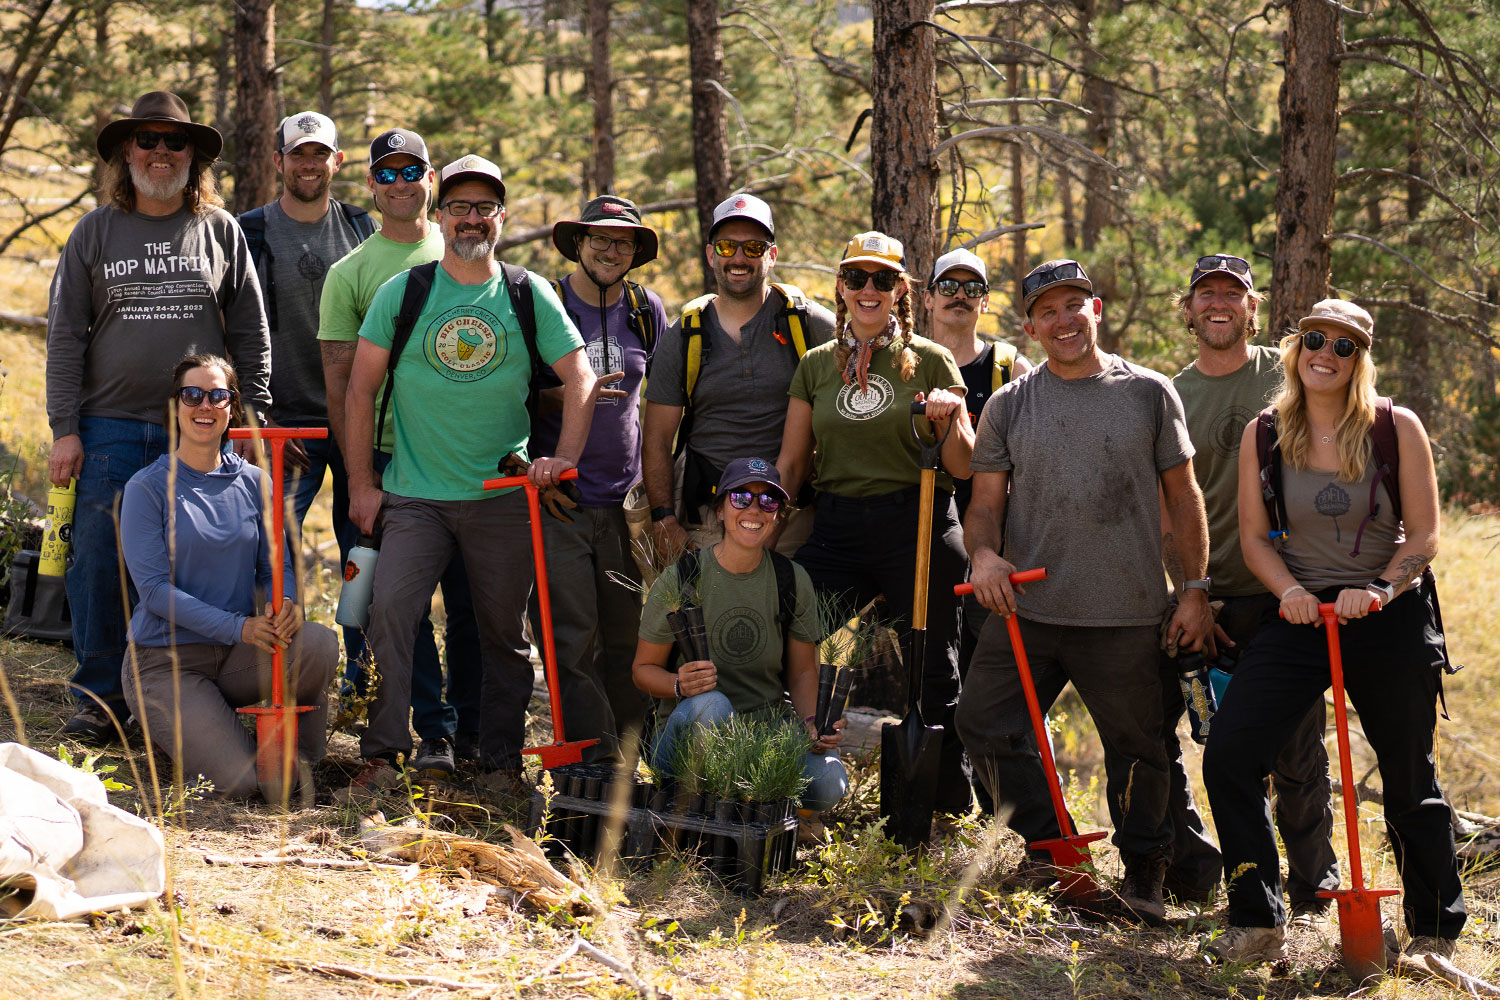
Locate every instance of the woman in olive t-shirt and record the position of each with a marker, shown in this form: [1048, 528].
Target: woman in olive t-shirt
[849, 422]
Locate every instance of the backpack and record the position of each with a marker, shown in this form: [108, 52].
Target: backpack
[786, 590]
[253, 224]
[414, 297]
[1003, 363]
[641, 320]
[1387, 457]
[793, 315]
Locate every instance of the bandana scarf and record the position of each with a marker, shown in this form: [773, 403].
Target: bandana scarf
[857, 368]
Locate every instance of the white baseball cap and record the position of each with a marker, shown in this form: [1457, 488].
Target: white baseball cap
[306, 126]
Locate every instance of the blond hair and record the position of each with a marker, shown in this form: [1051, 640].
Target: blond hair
[1352, 437]
[904, 360]
[199, 196]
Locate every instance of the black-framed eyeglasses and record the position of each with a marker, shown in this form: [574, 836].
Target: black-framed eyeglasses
[219, 399]
[854, 279]
[174, 141]
[1066, 271]
[752, 248]
[486, 209]
[769, 502]
[621, 246]
[1313, 341]
[411, 173]
[974, 289]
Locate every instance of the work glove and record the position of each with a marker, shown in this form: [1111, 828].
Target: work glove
[557, 498]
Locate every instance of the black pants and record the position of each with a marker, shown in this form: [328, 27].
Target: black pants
[862, 547]
[1391, 682]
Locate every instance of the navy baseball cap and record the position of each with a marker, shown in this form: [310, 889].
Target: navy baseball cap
[750, 470]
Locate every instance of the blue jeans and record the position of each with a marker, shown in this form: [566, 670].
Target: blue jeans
[432, 717]
[113, 451]
[829, 778]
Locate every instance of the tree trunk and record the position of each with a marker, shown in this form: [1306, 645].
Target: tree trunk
[1308, 106]
[325, 57]
[903, 130]
[256, 102]
[710, 142]
[1017, 180]
[1099, 96]
[603, 80]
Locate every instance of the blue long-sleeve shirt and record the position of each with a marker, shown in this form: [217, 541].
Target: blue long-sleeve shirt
[203, 588]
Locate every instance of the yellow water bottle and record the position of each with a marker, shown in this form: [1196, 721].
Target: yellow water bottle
[59, 536]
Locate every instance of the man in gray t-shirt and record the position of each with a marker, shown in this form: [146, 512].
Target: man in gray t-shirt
[719, 375]
[1071, 459]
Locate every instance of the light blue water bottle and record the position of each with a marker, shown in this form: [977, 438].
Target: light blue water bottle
[359, 584]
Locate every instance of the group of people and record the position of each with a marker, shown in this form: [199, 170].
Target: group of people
[775, 445]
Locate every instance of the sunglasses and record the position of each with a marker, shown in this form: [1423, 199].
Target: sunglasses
[602, 243]
[174, 141]
[220, 399]
[1313, 341]
[768, 502]
[1066, 271]
[854, 279]
[410, 173]
[1221, 262]
[486, 209]
[949, 286]
[752, 248]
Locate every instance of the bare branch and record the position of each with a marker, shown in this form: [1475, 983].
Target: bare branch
[990, 234]
[1360, 173]
[1051, 134]
[947, 9]
[994, 102]
[1473, 297]
[1474, 326]
[1234, 34]
[842, 68]
[964, 41]
[36, 220]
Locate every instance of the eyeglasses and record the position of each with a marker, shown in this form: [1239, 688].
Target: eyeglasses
[486, 209]
[1066, 271]
[411, 173]
[752, 248]
[220, 399]
[768, 502]
[1313, 341]
[602, 243]
[949, 286]
[854, 279]
[1221, 262]
[174, 141]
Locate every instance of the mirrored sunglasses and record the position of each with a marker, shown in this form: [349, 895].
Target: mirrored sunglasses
[486, 209]
[1313, 341]
[972, 289]
[410, 173]
[770, 503]
[752, 248]
[174, 141]
[1066, 271]
[191, 395]
[1221, 262]
[854, 279]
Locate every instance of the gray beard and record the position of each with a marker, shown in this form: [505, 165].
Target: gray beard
[154, 190]
[473, 248]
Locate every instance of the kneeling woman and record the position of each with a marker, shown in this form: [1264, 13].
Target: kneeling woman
[756, 663]
[1357, 536]
[197, 648]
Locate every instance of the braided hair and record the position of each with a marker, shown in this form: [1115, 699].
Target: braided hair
[904, 359]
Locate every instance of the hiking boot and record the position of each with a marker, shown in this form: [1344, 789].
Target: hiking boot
[433, 755]
[466, 746]
[1035, 872]
[378, 775]
[1423, 945]
[1249, 944]
[1180, 892]
[1309, 915]
[1140, 891]
[810, 829]
[91, 725]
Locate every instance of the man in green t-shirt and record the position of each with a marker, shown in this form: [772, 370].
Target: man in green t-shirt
[460, 389]
[1228, 383]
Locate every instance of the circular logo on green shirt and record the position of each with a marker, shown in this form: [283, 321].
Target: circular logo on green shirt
[741, 634]
[876, 398]
[462, 343]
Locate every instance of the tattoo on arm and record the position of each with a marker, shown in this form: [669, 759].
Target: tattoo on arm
[1172, 560]
[1408, 569]
[339, 351]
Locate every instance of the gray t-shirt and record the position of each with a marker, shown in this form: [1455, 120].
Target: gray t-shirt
[739, 401]
[133, 294]
[1324, 517]
[1085, 456]
[1218, 407]
[300, 254]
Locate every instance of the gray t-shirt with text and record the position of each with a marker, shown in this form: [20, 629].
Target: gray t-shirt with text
[1085, 456]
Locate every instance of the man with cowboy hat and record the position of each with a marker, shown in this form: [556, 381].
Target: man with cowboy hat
[594, 619]
[158, 271]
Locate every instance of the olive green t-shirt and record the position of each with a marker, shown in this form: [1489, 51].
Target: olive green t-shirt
[865, 446]
[745, 642]
[1218, 407]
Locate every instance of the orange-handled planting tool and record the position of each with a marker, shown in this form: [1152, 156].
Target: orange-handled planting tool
[1069, 852]
[559, 751]
[276, 723]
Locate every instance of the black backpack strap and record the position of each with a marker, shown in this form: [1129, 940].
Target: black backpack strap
[253, 224]
[786, 591]
[1268, 457]
[359, 220]
[641, 319]
[518, 287]
[418, 286]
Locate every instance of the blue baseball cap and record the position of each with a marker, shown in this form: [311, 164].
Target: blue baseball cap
[750, 470]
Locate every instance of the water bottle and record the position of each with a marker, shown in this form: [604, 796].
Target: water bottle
[359, 583]
[59, 536]
[1198, 693]
[1222, 670]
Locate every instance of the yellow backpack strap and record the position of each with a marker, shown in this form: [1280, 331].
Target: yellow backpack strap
[692, 342]
[796, 312]
[1002, 363]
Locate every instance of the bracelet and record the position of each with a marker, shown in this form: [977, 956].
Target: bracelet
[809, 720]
[677, 688]
[1295, 586]
[662, 513]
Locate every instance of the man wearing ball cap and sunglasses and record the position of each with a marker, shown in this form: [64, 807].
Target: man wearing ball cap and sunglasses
[158, 271]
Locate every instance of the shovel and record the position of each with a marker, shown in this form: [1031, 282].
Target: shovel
[276, 723]
[1361, 936]
[1069, 852]
[559, 752]
[911, 751]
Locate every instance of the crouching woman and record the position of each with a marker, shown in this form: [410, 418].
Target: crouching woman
[757, 663]
[198, 649]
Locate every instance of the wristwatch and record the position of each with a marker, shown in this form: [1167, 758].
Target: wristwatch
[1202, 584]
[1384, 588]
[661, 513]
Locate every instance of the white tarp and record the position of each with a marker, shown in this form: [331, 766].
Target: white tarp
[64, 850]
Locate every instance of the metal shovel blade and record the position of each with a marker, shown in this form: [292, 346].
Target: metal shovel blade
[1361, 937]
[1072, 859]
[910, 758]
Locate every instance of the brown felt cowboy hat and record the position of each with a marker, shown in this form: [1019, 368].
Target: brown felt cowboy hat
[160, 106]
[606, 212]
